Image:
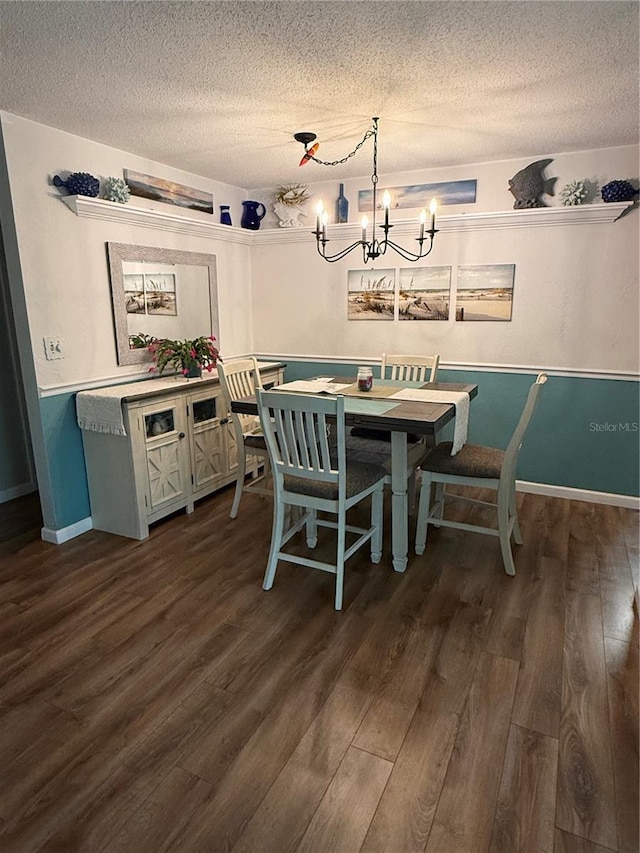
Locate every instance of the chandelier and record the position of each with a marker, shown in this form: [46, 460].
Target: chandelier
[372, 248]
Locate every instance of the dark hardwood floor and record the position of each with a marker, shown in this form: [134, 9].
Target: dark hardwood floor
[153, 697]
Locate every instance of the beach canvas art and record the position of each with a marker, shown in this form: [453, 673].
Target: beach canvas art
[150, 293]
[424, 293]
[420, 195]
[160, 189]
[370, 294]
[485, 292]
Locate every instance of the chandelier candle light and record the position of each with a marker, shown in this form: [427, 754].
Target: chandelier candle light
[373, 248]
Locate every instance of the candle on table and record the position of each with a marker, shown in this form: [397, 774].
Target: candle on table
[319, 212]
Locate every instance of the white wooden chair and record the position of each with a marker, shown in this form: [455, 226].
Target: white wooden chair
[412, 368]
[485, 467]
[241, 378]
[313, 473]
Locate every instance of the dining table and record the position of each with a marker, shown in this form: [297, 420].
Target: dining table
[381, 409]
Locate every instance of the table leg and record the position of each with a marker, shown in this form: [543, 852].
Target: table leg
[399, 501]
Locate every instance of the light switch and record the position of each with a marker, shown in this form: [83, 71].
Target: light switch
[53, 348]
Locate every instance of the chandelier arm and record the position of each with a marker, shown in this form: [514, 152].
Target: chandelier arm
[339, 255]
[405, 253]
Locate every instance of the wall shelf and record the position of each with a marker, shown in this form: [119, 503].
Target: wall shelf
[93, 208]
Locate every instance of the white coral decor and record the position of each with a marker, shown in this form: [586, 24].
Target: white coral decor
[574, 192]
[116, 189]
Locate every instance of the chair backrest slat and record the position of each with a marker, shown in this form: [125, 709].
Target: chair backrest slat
[240, 378]
[410, 368]
[513, 448]
[296, 428]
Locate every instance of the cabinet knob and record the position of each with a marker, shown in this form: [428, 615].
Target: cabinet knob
[181, 435]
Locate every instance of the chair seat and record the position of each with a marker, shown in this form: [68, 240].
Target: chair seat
[360, 476]
[252, 440]
[473, 460]
[378, 452]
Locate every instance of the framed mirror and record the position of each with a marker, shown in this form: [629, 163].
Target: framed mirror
[160, 293]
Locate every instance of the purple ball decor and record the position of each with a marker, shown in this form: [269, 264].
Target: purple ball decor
[79, 183]
[618, 191]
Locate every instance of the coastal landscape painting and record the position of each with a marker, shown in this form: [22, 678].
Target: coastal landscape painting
[485, 292]
[424, 293]
[370, 294]
[160, 189]
[150, 294]
[420, 195]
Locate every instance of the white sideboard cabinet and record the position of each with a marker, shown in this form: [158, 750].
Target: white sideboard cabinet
[179, 446]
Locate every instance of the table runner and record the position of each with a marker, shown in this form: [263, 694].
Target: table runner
[460, 399]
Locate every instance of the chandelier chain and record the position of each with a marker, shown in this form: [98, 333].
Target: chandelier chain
[371, 132]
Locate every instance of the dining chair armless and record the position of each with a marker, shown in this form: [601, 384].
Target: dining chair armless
[480, 466]
[241, 378]
[410, 368]
[311, 471]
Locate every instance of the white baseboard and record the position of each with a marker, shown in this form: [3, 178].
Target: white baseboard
[627, 501]
[17, 492]
[57, 537]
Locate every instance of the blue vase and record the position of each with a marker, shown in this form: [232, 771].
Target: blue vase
[251, 215]
[342, 206]
[225, 215]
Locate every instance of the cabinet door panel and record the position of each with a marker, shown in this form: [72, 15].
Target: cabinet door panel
[167, 469]
[209, 457]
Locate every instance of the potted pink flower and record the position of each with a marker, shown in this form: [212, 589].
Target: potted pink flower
[188, 357]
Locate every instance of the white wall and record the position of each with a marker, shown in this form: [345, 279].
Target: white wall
[64, 262]
[575, 303]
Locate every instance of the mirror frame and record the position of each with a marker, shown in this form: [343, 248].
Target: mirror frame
[118, 253]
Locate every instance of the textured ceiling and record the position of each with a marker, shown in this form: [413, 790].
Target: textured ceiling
[219, 88]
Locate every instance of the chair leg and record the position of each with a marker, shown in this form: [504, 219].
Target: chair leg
[513, 512]
[277, 531]
[424, 507]
[503, 529]
[377, 523]
[439, 502]
[312, 528]
[242, 468]
[342, 534]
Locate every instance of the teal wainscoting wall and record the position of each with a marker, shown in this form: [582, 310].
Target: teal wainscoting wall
[584, 434]
[70, 492]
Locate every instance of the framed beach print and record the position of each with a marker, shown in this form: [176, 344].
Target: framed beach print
[371, 294]
[485, 292]
[424, 293]
[160, 294]
[134, 293]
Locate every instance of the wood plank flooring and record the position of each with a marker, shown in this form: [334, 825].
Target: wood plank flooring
[154, 698]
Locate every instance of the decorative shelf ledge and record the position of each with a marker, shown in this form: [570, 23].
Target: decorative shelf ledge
[127, 214]
[93, 208]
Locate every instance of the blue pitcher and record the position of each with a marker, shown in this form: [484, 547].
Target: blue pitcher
[251, 216]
